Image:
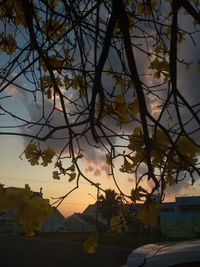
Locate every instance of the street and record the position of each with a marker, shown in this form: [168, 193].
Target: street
[33, 252]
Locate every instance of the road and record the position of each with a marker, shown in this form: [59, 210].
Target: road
[32, 252]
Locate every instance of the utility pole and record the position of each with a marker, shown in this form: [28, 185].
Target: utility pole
[97, 203]
[97, 207]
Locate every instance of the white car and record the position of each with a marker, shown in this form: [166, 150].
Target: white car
[170, 254]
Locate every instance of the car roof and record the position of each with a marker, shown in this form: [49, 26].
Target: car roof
[174, 252]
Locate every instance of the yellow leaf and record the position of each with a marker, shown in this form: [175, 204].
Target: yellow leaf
[144, 9]
[170, 180]
[149, 214]
[53, 29]
[108, 159]
[116, 224]
[160, 67]
[32, 154]
[121, 109]
[181, 36]
[47, 156]
[91, 243]
[127, 166]
[71, 168]
[72, 176]
[134, 108]
[33, 213]
[14, 198]
[136, 141]
[8, 43]
[56, 175]
[187, 147]
[138, 193]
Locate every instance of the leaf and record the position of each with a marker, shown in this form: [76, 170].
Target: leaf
[138, 193]
[134, 108]
[54, 29]
[71, 168]
[32, 154]
[127, 166]
[47, 156]
[56, 175]
[31, 210]
[91, 243]
[116, 224]
[47, 85]
[160, 67]
[181, 36]
[121, 109]
[33, 213]
[136, 141]
[10, 198]
[8, 43]
[187, 147]
[149, 214]
[170, 180]
[145, 8]
[56, 64]
[108, 159]
[80, 156]
[161, 139]
[72, 176]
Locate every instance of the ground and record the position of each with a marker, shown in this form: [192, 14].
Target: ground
[34, 252]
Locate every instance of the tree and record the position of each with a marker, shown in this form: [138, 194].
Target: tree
[109, 204]
[105, 75]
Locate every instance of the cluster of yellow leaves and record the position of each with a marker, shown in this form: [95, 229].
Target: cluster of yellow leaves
[8, 43]
[33, 155]
[33, 214]
[136, 141]
[77, 82]
[180, 34]
[47, 85]
[53, 29]
[31, 211]
[119, 108]
[161, 67]
[13, 9]
[116, 224]
[149, 213]
[178, 156]
[119, 79]
[91, 243]
[138, 193]
[10, 198]
[189, 151]
[127, 166]
[146, 8]
[70, 171]
[170, 180]
[56, 64]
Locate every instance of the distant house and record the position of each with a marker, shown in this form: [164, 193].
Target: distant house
[177, 219]
[188, 204]
[183, 220]
[55, 222]
[76, 223]
[8, 223]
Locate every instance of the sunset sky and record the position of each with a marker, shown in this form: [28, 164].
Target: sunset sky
[17, 172]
